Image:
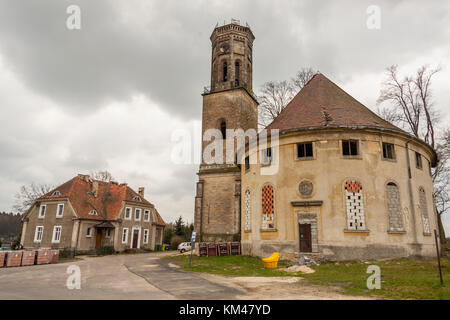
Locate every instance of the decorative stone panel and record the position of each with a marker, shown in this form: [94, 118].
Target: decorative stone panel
[267, 207]
[355, 206]
[247, 211]
[424, 210]
[310, 218]
[394, 208]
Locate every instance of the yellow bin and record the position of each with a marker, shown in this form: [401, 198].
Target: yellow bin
[272, 261]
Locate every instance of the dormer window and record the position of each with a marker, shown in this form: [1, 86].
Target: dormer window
[93, 213]
[137, 198]
[56, 193]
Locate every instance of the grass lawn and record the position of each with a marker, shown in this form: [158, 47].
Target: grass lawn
[229, 266]
[400, 279]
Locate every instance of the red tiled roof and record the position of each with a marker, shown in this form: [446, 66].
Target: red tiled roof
[321, 103]
[160, 221]
[107, 203]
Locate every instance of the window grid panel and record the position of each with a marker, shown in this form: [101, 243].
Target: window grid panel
[355, 206]
[267, 207]
[247, 220]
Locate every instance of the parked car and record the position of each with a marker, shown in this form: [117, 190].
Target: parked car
[5, 247]
[184, 246]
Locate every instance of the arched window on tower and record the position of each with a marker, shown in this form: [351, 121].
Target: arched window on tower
[223, 129]
[225, 72]
[236, 71]
[393, 207]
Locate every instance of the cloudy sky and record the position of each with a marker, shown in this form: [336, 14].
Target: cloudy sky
[110, 95]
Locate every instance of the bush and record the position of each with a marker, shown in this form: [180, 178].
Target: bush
[67, 253]
[175, 241]
[105, 250]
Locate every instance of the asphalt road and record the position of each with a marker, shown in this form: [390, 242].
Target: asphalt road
[136, 276]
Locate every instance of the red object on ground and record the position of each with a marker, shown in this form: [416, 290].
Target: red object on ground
[28, 257]
[2, 258]
[212, 249]
[43, 256]
[54, 256]
[14, 258]
[223, 249]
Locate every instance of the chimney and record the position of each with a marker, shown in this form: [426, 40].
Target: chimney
[95, 188]
[84, 177]
[141, 192]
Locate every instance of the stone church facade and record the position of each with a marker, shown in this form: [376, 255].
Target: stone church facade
[348, 184]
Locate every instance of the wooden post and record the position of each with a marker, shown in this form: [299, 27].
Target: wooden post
[438, 257]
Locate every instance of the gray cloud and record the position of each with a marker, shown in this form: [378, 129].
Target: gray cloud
[109, 95]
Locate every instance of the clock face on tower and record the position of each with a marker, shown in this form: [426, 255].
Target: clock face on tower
[224, 48]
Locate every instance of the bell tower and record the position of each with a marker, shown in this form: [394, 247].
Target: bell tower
[229, 103]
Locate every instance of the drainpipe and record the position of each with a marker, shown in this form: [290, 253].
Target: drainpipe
[411, 197]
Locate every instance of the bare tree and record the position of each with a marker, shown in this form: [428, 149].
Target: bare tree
[275, 95]
[411, 107]
[302, 78]
[104, 175]
[28, 194]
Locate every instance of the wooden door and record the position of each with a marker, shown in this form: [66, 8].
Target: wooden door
[135, 238]
[98, 238]
[304, 234]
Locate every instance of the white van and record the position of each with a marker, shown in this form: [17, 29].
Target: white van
[184, 246]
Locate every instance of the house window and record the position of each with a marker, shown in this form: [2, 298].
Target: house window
[388, 151]
[56, 234]
[42, 211]
[266, 156]
[128, 213]
[108, 233]
[137, 214]
[247, 163]
[394, 207]
[145, 236]
[429, 168]
[225, 72]
[268, 207]
[137, 198]
[418, 160]
[89, 232]
[125, 235]
[38, 234]
[247, 218]
[350, 148]
[223, 129]
[59, 210]
[56, 193]
[147, 215]
[424, 211]
[305, 150]
[355, 206]
[93, 212]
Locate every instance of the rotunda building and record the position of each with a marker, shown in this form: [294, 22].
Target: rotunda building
[345, 184]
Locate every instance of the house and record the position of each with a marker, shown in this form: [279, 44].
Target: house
[84, 214]
[345, 184]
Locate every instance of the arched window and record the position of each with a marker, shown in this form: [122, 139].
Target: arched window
[225, 72]
[394, 207]
[56, 193]
[247, 212]
[268, 207]
[223, 129]
[236, 73]
[424, 210]
[355, 206]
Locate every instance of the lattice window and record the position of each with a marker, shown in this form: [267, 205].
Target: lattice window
[355, 206]
[267, 207]
[424, 210]
[394, 208]
[247, 221]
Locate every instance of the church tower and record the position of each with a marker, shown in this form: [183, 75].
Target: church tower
[229, 103]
